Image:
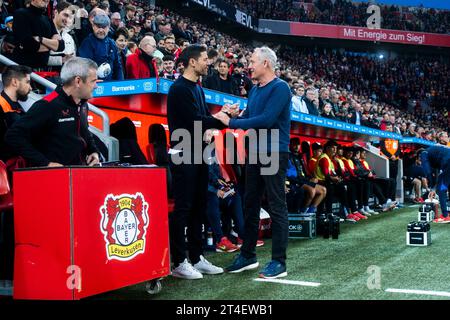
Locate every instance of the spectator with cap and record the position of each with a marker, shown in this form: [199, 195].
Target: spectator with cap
[141, 64]
[86, 24]
[102, 49]
[35, 35]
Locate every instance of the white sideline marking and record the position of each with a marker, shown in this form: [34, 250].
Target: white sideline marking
[424, 292]
[297, 283]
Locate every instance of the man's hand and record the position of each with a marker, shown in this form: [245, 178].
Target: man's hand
[93, 159]
[335, 179]
[232, 109]
[67, 57]
[220, 193]
[54, 164]
[223, 117]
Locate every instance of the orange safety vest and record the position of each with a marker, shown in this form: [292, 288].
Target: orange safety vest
[6, 107]
[318, 171]
[391, 146]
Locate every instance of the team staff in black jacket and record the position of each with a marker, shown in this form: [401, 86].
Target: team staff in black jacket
[35, 35]
[54, 132]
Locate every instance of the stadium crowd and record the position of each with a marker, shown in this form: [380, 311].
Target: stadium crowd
[346, 12]
[145, 42]
[134, 40]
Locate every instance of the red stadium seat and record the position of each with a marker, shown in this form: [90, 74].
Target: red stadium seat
[151, 154]
[6, 199]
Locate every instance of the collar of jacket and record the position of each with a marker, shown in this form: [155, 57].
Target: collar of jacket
[69, 99]
[36, 10]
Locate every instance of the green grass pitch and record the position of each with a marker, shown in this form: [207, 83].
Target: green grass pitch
[340, 266]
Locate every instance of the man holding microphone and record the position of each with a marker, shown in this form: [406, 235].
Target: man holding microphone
[268, 108]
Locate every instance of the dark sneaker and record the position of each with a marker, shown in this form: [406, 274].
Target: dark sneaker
[241, 264]
[274, 269]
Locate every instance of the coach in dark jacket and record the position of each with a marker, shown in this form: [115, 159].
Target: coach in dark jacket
[54, 131]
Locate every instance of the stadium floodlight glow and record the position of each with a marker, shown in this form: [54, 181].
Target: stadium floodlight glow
[381, 56]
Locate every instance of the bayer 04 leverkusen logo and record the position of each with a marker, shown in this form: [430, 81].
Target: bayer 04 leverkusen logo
[124, 224]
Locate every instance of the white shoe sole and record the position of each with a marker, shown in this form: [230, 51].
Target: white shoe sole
[211, 272]
[281, 275]
[229, 251]
[180, 276]
[249, 267]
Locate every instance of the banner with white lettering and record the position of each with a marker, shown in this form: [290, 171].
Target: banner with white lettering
[353, 33]
[228, 12]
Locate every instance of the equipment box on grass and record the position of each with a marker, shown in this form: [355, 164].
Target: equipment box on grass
[302, 227]
[420, 239]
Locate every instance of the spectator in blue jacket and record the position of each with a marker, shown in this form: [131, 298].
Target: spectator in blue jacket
[103, 50]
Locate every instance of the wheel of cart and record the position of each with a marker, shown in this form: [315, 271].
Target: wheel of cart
[153, 286]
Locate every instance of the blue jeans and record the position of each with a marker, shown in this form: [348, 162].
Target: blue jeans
[443, 182]
[231, 205]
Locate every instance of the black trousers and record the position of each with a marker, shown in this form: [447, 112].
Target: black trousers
[393, 171]
[6, 245]
[256, 185]
[388, 188]
[363, 191]
[190, 186]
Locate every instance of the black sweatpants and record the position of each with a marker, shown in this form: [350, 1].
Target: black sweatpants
[393, 171]
[6, 245]
[190, 186]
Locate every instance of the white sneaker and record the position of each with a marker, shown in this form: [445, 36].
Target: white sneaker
[389, 205]
[185, 270]
[206, 267]
[364, 212]
[367, 209]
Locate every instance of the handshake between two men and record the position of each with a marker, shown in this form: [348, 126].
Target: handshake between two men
[227, 112]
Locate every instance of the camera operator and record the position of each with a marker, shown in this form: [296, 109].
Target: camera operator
[241, 80]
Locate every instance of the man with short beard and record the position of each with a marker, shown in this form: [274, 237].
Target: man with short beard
[186, 104]
[16, 82]
[103, 50]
